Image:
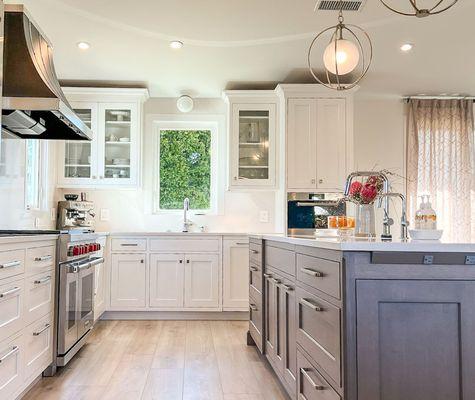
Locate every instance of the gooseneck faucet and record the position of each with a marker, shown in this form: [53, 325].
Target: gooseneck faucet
[404, 221]
[387, 222]
[186, 208]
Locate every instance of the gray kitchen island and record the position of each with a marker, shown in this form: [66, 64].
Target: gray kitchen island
[365, 320]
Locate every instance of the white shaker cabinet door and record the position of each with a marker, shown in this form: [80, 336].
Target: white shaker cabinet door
[166, 280]
[202, 281]
[128, 281]
[236, 275]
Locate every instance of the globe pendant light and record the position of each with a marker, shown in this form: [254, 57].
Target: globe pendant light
[438, 7]
[349, 51]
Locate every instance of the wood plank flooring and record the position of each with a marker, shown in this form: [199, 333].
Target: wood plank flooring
[164, 360]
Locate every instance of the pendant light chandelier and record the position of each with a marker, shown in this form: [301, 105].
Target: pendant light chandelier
[349, 50]
[416, 10]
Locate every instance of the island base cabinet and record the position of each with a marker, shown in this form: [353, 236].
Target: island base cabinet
[415, 340]
[128, 281]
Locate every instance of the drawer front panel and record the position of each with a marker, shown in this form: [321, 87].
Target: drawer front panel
[323, 275]
[38, 346]
[39, 295]
[11, 377]
[255, 254]
[128, 245]
[12, 297]
[255, 278]
[12, 263]
[311, 385]
[40, 259]
[179, 245]
[281, 259]
[319, 332]
[256, 321]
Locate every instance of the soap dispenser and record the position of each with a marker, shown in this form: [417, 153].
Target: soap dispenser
[420, 215]
[426, 218]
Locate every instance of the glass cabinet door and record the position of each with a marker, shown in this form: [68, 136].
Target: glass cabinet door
[78, 154]
[254, 135]
[117, 143]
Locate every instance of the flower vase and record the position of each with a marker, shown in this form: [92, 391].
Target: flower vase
[364, 221]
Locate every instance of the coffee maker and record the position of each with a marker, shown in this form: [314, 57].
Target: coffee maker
[75, 214]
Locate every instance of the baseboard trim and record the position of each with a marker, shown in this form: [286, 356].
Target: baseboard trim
[176, 315]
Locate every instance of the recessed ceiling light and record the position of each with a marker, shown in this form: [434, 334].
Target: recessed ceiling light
[84, 45]
[176, 44]
[407, 47]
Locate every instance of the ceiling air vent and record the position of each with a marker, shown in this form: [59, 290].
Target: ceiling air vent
[334, 5]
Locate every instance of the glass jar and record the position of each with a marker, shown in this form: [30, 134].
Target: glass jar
[365, 222]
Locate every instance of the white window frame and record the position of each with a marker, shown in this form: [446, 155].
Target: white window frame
[41, 176]
[213, 127]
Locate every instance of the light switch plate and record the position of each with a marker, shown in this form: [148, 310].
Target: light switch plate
[264, 216]
[105, 214]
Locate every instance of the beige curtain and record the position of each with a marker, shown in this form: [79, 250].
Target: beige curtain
[441, 163]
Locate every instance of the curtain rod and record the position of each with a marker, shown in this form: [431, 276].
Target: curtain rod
[407, 98]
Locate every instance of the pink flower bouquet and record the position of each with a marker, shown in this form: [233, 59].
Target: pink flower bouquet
[367, 192]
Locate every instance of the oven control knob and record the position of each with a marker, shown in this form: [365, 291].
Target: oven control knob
[76, 251]
[98, 245]
[90, 247]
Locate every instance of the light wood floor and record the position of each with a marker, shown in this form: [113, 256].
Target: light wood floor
[164, 360]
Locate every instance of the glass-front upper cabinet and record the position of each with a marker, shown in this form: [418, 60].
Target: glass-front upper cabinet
[112, 157]
[253, 145]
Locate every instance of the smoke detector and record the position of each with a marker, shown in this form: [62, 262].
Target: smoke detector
[334, 5]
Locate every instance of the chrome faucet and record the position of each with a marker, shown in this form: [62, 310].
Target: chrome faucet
[186, 207]
[404, 221]
[387, 222]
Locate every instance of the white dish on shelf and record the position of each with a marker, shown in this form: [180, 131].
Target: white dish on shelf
[426, 234]
[124, 140]
[121, 161]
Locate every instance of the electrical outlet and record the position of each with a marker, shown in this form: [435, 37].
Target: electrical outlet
[264, 216]
[105, 214]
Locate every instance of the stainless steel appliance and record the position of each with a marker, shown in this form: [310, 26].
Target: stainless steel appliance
[77, 257]
[74, 214]
[34, 105]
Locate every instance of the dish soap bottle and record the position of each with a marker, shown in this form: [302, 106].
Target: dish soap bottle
[426, 218]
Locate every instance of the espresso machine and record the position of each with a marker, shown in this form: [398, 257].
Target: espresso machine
[75, 214]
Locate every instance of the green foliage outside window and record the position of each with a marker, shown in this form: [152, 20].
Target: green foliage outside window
[185, 169]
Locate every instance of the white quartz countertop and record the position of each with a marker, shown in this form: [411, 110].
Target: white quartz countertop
[376, 245]
[198, 234]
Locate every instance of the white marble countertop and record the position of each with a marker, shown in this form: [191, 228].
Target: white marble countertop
[134, 234]
[375, 245]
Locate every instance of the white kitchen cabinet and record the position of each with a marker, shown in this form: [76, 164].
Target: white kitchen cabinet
[112, 158]
[201, 281]
[252, 139]
[11, 366]
[236, 274]
[166, 280]
[12, 299]
[128, 281]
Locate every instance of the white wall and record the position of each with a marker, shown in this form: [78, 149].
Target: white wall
[13, 214]
[131, 210]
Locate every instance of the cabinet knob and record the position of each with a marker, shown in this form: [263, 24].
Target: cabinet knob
[320, 181]
[142, 261]
[313, 181]
[187, 261]
[181, 261]
[235, 178]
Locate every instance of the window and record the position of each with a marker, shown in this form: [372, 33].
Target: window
[185, 164]
[35, 174]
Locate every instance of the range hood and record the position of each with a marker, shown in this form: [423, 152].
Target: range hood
[34, 106]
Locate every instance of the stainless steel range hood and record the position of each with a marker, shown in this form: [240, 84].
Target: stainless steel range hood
[34, 106]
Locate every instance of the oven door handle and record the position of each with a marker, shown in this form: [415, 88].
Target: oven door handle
[82, 266]
[97, 261]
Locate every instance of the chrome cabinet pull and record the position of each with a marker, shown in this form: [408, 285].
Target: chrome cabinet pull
[44, 258]
[253, 269]
[310, 380]
[8, 292]
[10, 264]
[38, 333]
[267, 275]
[242, 244]
[254, 252]
[276, 281]
[311, 305]
[287, 288]
[253, 307]
[9, 354]
[43, 280]
[129, 244]
[312, 272]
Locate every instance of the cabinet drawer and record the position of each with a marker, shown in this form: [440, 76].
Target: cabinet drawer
[321, 274]
[38, 346]
[255, 278]
[39, 295]
[12, 263]
[40, 259]
[311, 385]
[256, 321]
[11, 377]
[12, 296]
[128, 245]
[181, 245]
[281, 259]
[255, 254]
[319, 332]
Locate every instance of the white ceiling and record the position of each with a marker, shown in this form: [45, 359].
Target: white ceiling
[232, 43]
